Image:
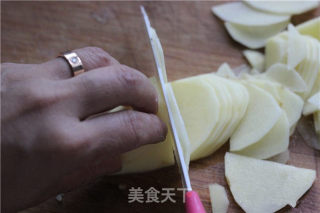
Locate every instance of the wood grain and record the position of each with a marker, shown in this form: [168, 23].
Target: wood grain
[194, 42]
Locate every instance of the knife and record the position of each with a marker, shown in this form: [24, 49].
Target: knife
[192, 200]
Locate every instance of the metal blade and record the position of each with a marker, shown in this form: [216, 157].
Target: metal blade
[160, 65]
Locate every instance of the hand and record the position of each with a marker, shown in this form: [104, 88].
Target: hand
[51, 142]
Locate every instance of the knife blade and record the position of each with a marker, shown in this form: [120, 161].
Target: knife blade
[193, 203]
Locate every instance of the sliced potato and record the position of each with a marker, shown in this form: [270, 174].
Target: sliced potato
[315, 100]
[311, 28]
[276, 51]
[254, 37]
[273, 143]
[255, 59]
[238, 101]
[262, 113]
[311, 65]
[219, 198]
[239, 13]
[286, 76]
[283, 157]
[291, 103]
[310, 108]
[224, 117]
[225, 71]
[180, 126]
[283, 7]
[199, 107]
[265, 186]
[295, 42]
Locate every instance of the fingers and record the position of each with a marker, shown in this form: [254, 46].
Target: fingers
[91, 57]
[119, 132]
[108, 87]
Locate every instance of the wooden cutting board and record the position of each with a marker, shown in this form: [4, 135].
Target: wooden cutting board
[194, 42]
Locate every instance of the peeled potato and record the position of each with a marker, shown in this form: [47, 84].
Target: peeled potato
[199, 107]
[286, 76]
[239, 13]
[265, 186]
[276, 50]
[255, 59]
[295, 42]
[310, 108]
[225, 71]
[311, 28]
[224, 117]
[291, 103]
[254, 37]
[284, 6]
[273, 143]
[180, 126]
[310, 68]
[219, 198]
[262, 113]
[282, 157]
[235, 107]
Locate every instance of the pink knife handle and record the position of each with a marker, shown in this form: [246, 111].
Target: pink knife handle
[193, 203]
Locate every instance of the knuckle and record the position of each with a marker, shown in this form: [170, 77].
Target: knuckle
[132, 121]
[130, 78]
[99, 55]
[68, 139]
[41, 96]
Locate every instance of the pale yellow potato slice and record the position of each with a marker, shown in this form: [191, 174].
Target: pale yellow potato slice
[310, 71]
[276, 51]
[199, 107]
[224, 98]
[273, 143]
[239, 13]
[291, 103]
[296, 47]
[283, 157]
[283, 7]
[309, 108]
[254, 37]
[311, 28]
[315, 100]
[219, 199]
[255, 59]
[180, 126]
[288, 77]
[225, 71]
[262, 113]
[240, 101]
[265, 186]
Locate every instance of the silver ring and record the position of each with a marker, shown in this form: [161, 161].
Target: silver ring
[74, 62]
